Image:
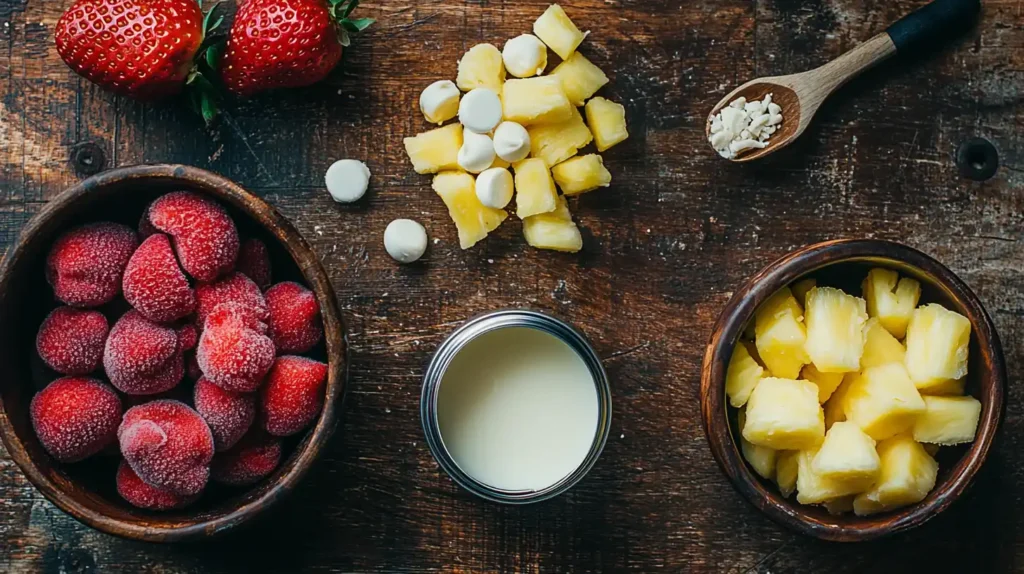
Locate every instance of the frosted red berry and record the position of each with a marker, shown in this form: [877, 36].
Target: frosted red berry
[188, 337]
[142, 357]
[75, 417]
[70, 341]
[293, 394]
[84, 266]
[253, 458]
[168, 445]
[233, 352]
[254, 262]
[229, 415]
[295, 324]
[235, 288]
[204, 236]
[141, 495]
[155, 285]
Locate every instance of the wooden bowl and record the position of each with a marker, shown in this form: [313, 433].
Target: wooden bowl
[86, 490]
[844, 264]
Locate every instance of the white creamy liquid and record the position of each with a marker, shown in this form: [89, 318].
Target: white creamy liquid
[518, 409]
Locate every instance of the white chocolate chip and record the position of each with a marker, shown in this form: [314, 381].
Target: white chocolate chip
[476, 153]
[405, 240]
[525, 56]
[774, 109]
[480, 110]
[775, 120]
[745, 144]
[494, 187]
[347, 180]
[511, 142]
[738, 103]
[752, 108]
[439, 102]
[744, 125]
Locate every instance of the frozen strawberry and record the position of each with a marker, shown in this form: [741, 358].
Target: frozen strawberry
[204, 235]
[254, 262]
[253, 458]
[141, 495]
[235, 288]
[142, 357]
[75, 417]
[85, 265]
[292, 395]
[229, 415]
[188, 337]
[295, 324]
[70, 341]
[233, 352]
[155, 285]
[168, 445]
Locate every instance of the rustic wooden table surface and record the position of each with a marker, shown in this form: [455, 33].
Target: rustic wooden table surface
[666, 245]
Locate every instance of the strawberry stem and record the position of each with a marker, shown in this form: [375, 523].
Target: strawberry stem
[203, 94]
[340, 11]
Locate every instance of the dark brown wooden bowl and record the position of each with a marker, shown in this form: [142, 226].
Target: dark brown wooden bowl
[844, 264]
[86, 490]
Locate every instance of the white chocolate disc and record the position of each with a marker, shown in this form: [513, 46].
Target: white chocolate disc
[405, 240]
[511, 142]
[480, 110]
[347, 180]
[439, 102]
[494, 187]
[476, 153]
[525, 56]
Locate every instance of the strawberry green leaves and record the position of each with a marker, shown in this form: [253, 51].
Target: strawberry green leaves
[340, 11]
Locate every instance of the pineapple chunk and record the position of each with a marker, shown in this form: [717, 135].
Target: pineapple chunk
[786, 468]
[890, 301]
[481, 67]
[581, 174]
[557, 142]
[950, 387]
[473, 220]
[742, 376]
[908, 475]
[608, 122]
[436, 150]
[883, 401]
[555, 29]
[802, 288]
[948, 420]
[535, 101]
[835, 407]
[761, 458]
[779, 335]
[848, 456]
[580, 78]
[785, 415]
[811, 487]
[937, 344]
[835, 329]
[827, 383]
[535, 190]
[554, 230]
[880, 347]
[840, 505]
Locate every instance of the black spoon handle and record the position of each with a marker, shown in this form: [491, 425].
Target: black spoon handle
[934, 24]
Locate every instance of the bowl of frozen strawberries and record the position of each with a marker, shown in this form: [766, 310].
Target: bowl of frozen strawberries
[173, 353]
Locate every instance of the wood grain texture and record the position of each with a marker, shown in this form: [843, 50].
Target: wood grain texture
[665, 246]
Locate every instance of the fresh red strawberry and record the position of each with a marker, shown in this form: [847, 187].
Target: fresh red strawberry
[286, 43]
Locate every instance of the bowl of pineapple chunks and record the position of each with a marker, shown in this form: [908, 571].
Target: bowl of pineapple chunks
[853, 389]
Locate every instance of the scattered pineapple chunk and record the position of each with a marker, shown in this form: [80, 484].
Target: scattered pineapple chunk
[835, 407]
[907, 476]
[883, 401]
[581, 174]
[557, 142]
[473, 220]
[608, 122]
[950, 387]
[784, 414]
[535, 190]
[835, 329]
[880, 347]
[554, 230]
[436, 150]
[555, 29]
[948, 420]
[890, 301]
[827, 383]
[761, 458]
[580, 78]
[840, 505]
[802, 288]
[786, 468]
[537, 100]
[848, 456]
[811, 487]
[742, 376]
[937, 345]
[779, 335]
[481, 67]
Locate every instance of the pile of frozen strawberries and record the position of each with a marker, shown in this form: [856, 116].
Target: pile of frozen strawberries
[200, 307]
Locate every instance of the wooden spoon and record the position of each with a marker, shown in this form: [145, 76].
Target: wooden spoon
[800, 95]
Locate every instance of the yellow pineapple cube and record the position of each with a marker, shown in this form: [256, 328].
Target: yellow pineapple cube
[784, 414]
[835, 329]
[908, 474]
[436, 150]
[580, 78]
[948, 420]
[761, 458]
[481, 67]
[555, 29]
[554, 231]
[840, 505]
[581, 174]
[537, 100]
[827, 383]
[811, 487]
[742, 376]
[835, 407]
[608, 122]
[889, 300]
[535, 190]
[937, 345]
[779, 335]
[802, 288]
[848, 455]
[883, 401]
[473, 219]
[786, 468]
[951, 387]
[880, 347]
[557, 142]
